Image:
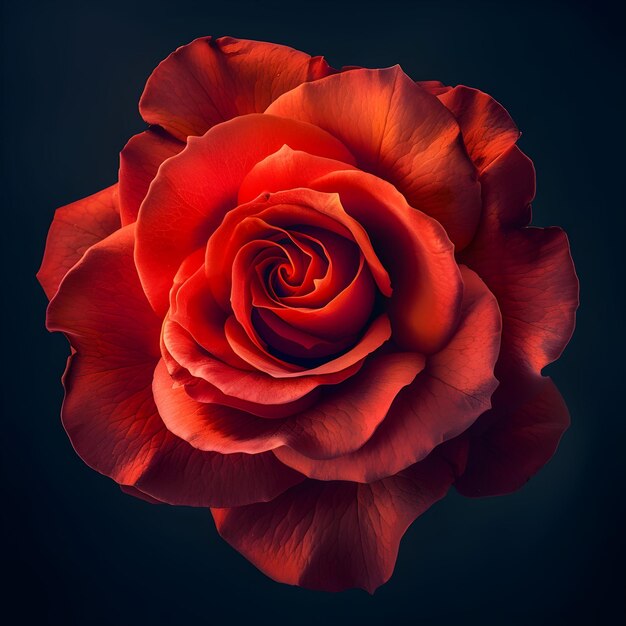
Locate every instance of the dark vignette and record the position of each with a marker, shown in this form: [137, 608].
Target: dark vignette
[78, 551]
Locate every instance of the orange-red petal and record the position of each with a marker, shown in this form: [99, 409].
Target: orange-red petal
[444, 400]
[109, 411]
[139, 162]
[400, 132]
[487, 128]
[194, 190]
[75, 228]
[335, 535]
[213, 80]
[530, 270]
[340, 422]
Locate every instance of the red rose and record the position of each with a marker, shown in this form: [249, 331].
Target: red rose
[312, 303]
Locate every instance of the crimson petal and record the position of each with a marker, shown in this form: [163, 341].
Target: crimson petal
[444, 400]
[139, 162]
[342, 421]
[400, 132]
[530, 270]
[109, 412]
[193, 190]
[213, 80]
[335, 535]
[487, 128]
[514, 440]
[75, 228]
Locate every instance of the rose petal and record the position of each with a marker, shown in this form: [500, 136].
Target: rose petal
[180, 474]
[202, 391]
[75, 228]
[487, 128]
[413, 247]
[374, 337]
[193, 307]
[193, 190]
[433, 86]
[339, 305]
[296, 343]
[284, 209]
[529, 270]
[136, 493]
[139, 162]
[249, 385]
[286, 169]
[416, 252]
[444, 400]
[213, 80]
[336, 535]
[400, 132]
[340, 422]
[514, 440]
[109, 412]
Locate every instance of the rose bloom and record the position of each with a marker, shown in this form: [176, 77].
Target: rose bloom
[312, 303]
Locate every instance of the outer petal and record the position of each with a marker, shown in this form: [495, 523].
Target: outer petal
[213, 80]
[400, 132]
[136, 493]
[443, 401]
[342, 421]
[514, 440]
[337, 535]
[194, 190]
[76, 227]
[181, 474]
[529, 270]
[433, 86]
[109, 411]
[487, 128]
[139, 161]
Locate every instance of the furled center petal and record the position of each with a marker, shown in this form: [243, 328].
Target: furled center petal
[297, 275]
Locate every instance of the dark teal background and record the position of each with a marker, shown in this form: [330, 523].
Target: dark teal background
[81, 552]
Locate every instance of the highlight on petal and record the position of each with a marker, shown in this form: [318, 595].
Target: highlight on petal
[75, 228]
[139, 162]
[193, 190]
[487, 129]
[286, 169]
[446, 398]
[213, 80]
[333, 536]
[400, 132]
[514, 440]
[109, 412]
